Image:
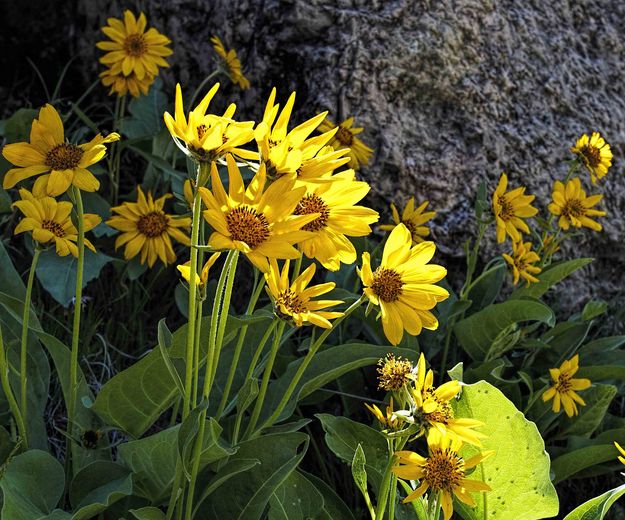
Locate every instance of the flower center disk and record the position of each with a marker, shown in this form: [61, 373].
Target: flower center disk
[248, 225]
[64, 156]
[507, 210]
[345, 136]
[387, 284]
[54, 227]
[313, 204]
[153, 224]
[592, 155]
[135, 45]
[564, 384]
[444, 470]
[574, 208]
[291, 302]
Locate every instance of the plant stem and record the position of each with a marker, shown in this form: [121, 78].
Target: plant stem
[385, 487]
[392, 496]
[120, 109]
[196, 355]
[6, 387]
[24, 343]
[201, 85]
[193, 268]
[239, 346]
[309, 356]
[73, 371]
[266, 376]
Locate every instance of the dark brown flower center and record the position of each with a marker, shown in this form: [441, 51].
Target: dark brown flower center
[313, 204]
[344, 136]
[135, 45]
[444, 470]
[291, 302]
[153, 224]
[54, 227]
[443, 413]
[506, 211]
[248, 225]
[201, 131]
[64, 156]
[387, 284]
[563, 384]
[573, 208]
[592, 155]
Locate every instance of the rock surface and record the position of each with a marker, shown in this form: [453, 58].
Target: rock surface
[449, 92]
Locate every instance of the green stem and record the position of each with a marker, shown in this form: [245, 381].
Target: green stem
[201, 86]
[239, 346]
[24, 343]
[392, 493]
[195, 231]
[196, 355]
[6, 387]
[73, 370]
[266, 376]
[119, 115]
[385, 488]
[309, 356]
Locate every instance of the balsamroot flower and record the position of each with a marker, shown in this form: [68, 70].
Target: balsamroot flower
[201, 278]
[413, 219]
[232, 63]
[294, 301]
[442, 472]
[148, 230]
[393, 373]
[64, 164]
[574, 207]
[510, 209]
[403, 285]
[345, 138]
[207, 137]
[388, 420]
[259, 220]
[133, 55]
[50, 221]
[595, 154]
[339, 217]
[522, 262]
[564, 387]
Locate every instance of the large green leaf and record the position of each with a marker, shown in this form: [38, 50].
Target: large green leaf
[326, 366]
[551, 276]
[518, 472]
[332, 503]
[486, 288]
[97, 486]
[574, 461]
[32, 486]
[17, 127]
[596, 508]
[146, 113]
[247, 494]
[598, 399]
[343, 437]
[57, 274]
[134, 399]
[477, 333]
[296, 499]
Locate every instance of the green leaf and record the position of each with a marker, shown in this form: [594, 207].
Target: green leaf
[602, 373]
[296, 499]
[326, 366]
[248, 493]
[478, 333]
[247, 394]
[574, 461]
[95, 203]
[596, 508]
[343, 436]
[32, 486]
[148, 513]
[594, 309]
[165, 341]
[598, 399]
[549, 277]
[359, 473]
[333, 505]
[17, 127]
[146, 113]
[57, 274]
[522, 491]
[97, 486]
[487, 287]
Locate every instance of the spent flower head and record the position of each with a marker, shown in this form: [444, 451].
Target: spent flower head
[394, 373]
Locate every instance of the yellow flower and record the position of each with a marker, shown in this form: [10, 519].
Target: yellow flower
[293, 301]
[413, 219]
[345, 138]
[50, 221]
[121, 84]
[393, 373]
[622, 452]
[49, 152]
[201, 278]
[510, 209]
[147, 229]
[433, 410]
[389, 420]
[442, 472]
[595, 153]
[403, 285]
[521, 262]
[232, 62]
[257, 221]
[338, 219]
[206, 137]
[133, 51]
[284, 151]
[574, 208]
[319, 163]
[564, 387]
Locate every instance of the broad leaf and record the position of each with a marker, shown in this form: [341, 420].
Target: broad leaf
[518, 472]
[598, 399]
[486, 288]
[296, 499]
[551, 276]
[596, 508]
[574, 461]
